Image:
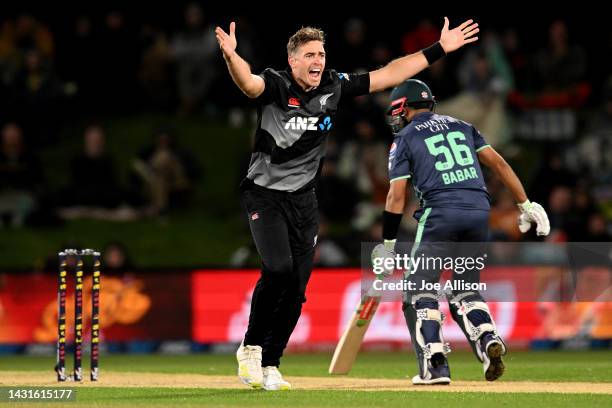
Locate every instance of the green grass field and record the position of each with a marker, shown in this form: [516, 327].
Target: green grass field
[550, 367]
[191, 397]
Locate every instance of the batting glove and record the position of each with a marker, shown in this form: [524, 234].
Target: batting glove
[384, 251]
[533, 212]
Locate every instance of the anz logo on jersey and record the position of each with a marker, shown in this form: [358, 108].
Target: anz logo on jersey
[309, 123]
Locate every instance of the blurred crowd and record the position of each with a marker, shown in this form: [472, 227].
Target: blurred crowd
[160, 178]
[545, 109]
[545, 105]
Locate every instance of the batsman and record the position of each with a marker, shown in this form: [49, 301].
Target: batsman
[440, 155]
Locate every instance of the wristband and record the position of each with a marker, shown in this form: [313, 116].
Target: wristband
[434, 53]
[390, 244]
[391, 222]
[523, 206]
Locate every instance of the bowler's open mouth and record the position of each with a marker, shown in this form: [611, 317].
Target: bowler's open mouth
[314, 73]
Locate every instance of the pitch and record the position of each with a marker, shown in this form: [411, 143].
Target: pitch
[559, 378]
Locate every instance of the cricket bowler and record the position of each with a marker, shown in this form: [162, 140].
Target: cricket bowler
[296, 109]
[440, 155]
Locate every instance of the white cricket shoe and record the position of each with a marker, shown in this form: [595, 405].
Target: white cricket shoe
[273, 380]
[249, 365]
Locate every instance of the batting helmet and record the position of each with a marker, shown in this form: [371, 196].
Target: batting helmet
[412, 93]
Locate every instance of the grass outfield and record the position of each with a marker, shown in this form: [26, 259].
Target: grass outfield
[586, 367]
[590, 366]
[141, 397]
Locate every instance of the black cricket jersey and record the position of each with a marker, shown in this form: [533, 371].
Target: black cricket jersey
[292, 126]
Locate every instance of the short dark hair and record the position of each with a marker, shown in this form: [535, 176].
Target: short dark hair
[303, 36]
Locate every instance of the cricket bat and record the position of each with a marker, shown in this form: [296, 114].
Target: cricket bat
[350, 342]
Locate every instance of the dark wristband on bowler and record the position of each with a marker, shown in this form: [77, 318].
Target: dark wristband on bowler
[391, 223]
[434, 53]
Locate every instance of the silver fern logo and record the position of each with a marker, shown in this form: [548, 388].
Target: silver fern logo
[324, 98]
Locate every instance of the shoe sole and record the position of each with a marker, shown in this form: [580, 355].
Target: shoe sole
[496, 367]
[255, 386]
[281, 388]
[435, 381]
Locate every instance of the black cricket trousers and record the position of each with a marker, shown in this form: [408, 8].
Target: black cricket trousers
[284, 227]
